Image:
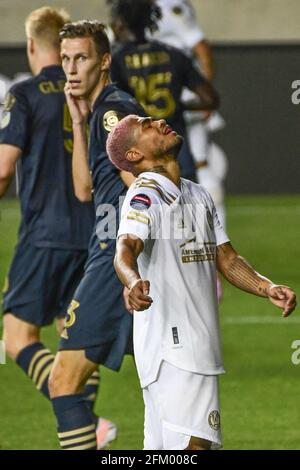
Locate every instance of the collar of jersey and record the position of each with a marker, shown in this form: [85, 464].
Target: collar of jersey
[107, 90]
[163, 180]
[50, 69]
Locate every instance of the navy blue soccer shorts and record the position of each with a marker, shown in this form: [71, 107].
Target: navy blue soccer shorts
[97, 320]
[41, 282]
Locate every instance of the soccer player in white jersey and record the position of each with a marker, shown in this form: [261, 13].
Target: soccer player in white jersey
[170, 243]
[178, 27]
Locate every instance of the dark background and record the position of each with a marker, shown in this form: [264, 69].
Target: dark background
[261, 138]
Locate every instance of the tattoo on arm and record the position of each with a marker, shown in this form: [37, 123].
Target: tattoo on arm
[241, 274]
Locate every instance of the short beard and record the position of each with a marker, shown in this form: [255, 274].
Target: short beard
[171, 152]
[177, 147]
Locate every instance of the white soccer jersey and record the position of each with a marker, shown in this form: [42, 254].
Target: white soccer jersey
[178, 26]
[180, 230]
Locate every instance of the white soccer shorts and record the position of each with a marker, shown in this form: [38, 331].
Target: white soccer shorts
[181, 404]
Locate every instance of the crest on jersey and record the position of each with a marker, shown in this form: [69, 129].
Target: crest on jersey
[177, 10]
[110, 120]
[140, 202]
[209, 218]
[9, 102]
[5, 119]
[214, 420]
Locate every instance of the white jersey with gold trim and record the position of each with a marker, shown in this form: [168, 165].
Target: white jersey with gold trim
[180, 230]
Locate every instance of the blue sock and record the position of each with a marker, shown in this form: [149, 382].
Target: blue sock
[75, 423]
[37, 361]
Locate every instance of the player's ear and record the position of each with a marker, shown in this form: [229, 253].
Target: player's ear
[30, 45]
[105, 62]
[134, 155]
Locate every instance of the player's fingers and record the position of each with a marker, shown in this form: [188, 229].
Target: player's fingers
[144, 298]
[140, 305]
[289, 294]
[126, 300]
[290, 306]
[146, 287]
[139, 294]
[277, 293]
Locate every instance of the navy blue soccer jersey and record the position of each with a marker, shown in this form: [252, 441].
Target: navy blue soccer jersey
[111, 105]
[36, 119]
[155, 74]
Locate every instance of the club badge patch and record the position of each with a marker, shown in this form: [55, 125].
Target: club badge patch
[177, 10]
[9, 102]
[5, 119]
[214, 420]
[110, 120]
[140, 202]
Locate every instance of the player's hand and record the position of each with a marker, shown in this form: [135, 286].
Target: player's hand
[205, 115]
[126, 300]
[79, 109]
[139, 299]
[283, 297]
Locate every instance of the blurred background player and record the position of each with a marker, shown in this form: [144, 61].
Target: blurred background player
[155, 73]
[178, 27]
[98, 327]
[36, 136]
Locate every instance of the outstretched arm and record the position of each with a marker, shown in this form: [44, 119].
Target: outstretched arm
[241, 274]
[82, 180]
[128, 249]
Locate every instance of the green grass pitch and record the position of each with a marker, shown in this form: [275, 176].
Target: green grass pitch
[260, 392]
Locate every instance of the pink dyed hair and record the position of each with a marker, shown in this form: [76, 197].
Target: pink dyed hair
[119, 141]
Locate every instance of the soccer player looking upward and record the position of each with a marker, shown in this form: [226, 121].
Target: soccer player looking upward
[98, 326]
[170, 243]
[156, 73]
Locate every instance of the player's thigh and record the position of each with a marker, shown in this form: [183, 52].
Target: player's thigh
[189, 406]
[17, 334]
[97, 320]
[196, 443]
[71, 369]
[60, 323]
[153, 439]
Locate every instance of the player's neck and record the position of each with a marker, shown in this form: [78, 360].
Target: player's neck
[103, 82]
[168, 169]
[128, 36]
[45, 61]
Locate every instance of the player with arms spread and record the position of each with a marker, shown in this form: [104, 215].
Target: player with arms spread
[170, 244]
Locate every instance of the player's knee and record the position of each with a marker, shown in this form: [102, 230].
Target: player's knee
[56, 383]
[61, 380]
[196, 443]
[16, 339]
[60, 323]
